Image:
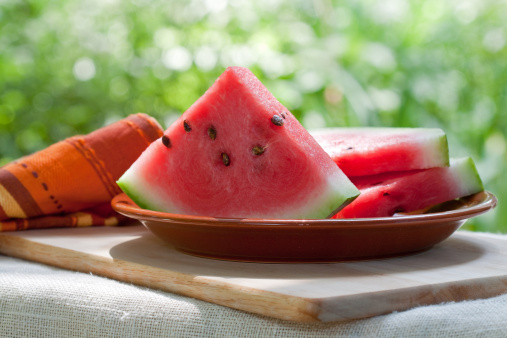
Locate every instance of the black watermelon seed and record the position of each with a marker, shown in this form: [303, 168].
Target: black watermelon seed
[386, 194]
[186, 126]
[277, 120]
[398, 210]
[283, 116]
[212, 133]
[225, 159]
[166, 141]
[258, 150]
[376, 183]
[349, 148]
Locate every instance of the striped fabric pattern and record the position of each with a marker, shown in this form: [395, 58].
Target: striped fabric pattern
[72, 182]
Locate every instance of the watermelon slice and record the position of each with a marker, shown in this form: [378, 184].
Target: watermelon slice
[238, 152]
[383, 195]
[370, 150]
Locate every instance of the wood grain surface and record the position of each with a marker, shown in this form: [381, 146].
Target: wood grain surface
[465, 266]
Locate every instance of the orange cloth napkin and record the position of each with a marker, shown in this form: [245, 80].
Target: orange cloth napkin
[72, 182]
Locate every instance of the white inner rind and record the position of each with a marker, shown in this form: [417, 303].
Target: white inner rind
[466, 175]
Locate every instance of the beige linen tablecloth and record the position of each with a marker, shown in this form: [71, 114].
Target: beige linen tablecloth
[43, 301]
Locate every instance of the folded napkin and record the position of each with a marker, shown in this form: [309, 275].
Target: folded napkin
[72, 182]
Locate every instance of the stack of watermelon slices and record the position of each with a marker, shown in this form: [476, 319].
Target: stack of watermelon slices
[237, 152]
[398, 169]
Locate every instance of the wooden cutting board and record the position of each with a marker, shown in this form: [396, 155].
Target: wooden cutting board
[465, 266]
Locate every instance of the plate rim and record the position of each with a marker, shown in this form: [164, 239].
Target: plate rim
[122, 204]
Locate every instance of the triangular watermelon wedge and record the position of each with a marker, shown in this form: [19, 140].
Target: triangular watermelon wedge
[383, 195]
[373, 150]
[238, 152]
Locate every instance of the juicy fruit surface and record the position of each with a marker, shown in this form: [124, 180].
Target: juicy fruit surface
[384, 195]
[228, 156]
[370, 150]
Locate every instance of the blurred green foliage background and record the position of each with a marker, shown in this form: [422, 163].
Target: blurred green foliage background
[68, 67]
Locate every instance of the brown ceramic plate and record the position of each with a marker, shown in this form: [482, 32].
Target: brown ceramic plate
[314, 240]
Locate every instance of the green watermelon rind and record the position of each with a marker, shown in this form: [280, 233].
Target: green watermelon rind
[330, 209]
[466, 171]
[337, 198]
[134, 195]
[135, 187]
[444, 147]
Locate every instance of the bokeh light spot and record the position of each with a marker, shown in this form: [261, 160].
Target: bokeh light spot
[494, 40]
[385, 99]
[84, 69]
[379, 56]
[177, 58]
[165, 38]
[495, 144]
[310, 81]
[313, 120]
[466, 11]
[333, 95]
[342, 17]
[206, 58]
[388, 11]
[215, 6]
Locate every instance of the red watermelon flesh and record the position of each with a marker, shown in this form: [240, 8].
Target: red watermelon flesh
[383, 195]
[371, 150]
[238, 152]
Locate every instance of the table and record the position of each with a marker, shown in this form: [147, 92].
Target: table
[42, 301]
